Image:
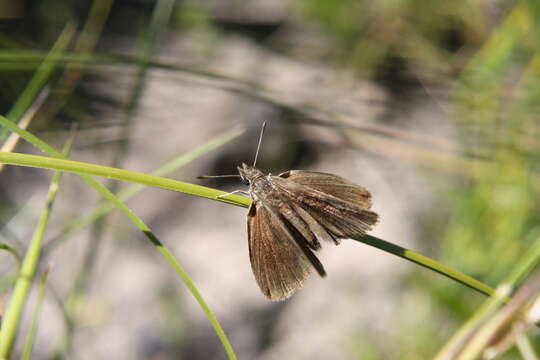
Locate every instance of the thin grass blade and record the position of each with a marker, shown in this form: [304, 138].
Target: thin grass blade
[136, 220]
[29, 266]
[40, 77]
[29, 343]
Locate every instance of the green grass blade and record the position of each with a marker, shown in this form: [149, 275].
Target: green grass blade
[135, 220]
[464, 334]
[126, 194]
[13, 252]
[40, 77]
[12, 140]
[72, 302]
[83, 48]
[145, 49]
[29, 343]
[160, 19]
[526, 348]
[86, 169]
[168, 256]
[25, 277]
[427, 263]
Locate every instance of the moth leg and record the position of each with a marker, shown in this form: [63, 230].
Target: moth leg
[232, 193]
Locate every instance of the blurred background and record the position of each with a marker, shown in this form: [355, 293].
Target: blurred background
[432, 106]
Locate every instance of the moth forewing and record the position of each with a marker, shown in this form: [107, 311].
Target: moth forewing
[340, 217]
[280, 267]
[330, 184]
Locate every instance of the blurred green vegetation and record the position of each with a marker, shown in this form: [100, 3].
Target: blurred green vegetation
[427, 36]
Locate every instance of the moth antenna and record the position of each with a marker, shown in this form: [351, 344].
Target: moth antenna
[216, 176]
[259, 144]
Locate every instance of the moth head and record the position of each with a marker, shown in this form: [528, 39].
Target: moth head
[246, 173]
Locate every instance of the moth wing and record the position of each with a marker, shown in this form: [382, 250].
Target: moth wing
[340, 217]
[330, 184]
[279, 262]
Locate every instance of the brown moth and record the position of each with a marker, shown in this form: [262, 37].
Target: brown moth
[291, 215]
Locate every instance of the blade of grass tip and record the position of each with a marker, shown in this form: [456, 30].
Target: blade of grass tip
[13, 138]
[427, 263]
[29, 343]
[34, 140]
[105, 207]
[13, 252]
[40, 77]
[29, 266]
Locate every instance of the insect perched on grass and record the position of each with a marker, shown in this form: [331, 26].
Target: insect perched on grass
[291, 215]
